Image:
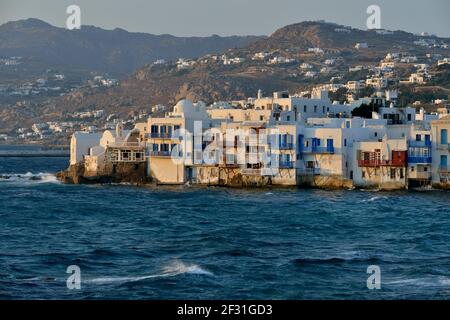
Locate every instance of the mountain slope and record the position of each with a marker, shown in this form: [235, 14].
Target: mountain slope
[116, 52]
[211, 80]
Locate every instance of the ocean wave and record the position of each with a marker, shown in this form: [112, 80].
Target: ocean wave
[375, 198]
[338, 260]
[172, 270]
[29, 177]
[421, 282]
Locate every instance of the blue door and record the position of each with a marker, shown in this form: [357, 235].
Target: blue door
[313, 144]
[330, 147]
[283, 140]
[443, 161]
[427, 140]
[444, 138]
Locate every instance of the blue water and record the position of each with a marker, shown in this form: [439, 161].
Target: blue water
[216, 243]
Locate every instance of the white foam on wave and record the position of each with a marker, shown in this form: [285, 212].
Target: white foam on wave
[172, 270]
[29, 177]
[375, 198]
[422, 282]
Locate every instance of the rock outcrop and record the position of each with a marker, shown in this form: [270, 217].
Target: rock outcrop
[115, 173]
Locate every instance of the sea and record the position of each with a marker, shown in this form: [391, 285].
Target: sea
[121, 241]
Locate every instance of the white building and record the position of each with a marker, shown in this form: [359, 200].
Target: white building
[361, 45]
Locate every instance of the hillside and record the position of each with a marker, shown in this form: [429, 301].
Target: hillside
[211, 78]
[117, 52]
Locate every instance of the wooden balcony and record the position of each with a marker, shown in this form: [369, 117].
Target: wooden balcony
[380, 163]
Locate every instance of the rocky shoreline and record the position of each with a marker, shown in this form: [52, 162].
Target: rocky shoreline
[120, 173]
[76, 174]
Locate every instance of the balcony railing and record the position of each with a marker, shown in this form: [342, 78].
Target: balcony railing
[324, 150]
[379, 163]
[419, 144]
[161, 135]
[286, 146]
[444, 146]
[160, 153]
[414, 159]
[125, 144]
[423, 175]
[310, 171]
[251, 172]
[286, 165]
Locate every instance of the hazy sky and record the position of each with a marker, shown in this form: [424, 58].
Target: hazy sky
[227, 17]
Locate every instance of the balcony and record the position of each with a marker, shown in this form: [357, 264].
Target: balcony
[286, 146]
[414, 159]
[324, 150]
[251, 172]
[318, 150]
[161, 135]
[419, 144]
[126, 145]
[310, 171]
[444, 146]
[422, 175]
[444, 169]
[379, 163]
[286, 165]
[160, 153]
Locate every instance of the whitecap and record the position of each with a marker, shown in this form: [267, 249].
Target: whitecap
[29, 177]
[375, 198]
[422, 282]
[174, 269]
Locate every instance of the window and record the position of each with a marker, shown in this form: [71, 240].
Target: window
[261, 118]
[401, 173]
[392, 173]
[444, 136]
[315, 108]
[409, 117]
[164, 147]
[288, 118]
[363, 174]
[345, 142]
[304, 108]
[418, 137]
[376, 134]
[323, 109]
